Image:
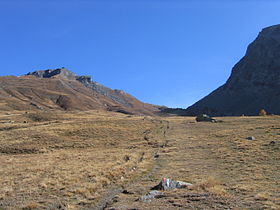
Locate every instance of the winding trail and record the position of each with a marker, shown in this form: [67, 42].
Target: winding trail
[111, 193]
[218, 158]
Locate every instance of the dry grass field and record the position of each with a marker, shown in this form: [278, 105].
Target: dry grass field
[52, 160]
[97, 160]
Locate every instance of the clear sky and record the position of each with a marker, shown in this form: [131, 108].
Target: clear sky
[165, 52]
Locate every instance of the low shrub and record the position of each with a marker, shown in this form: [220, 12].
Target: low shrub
[262, 112]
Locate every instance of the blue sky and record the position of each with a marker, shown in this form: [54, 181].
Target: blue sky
[165, 52]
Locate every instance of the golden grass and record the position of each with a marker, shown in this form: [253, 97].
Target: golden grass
[72, 160]
[210, 185]
[73, 157]
[30, 206]
[262, 196]
[241, 168]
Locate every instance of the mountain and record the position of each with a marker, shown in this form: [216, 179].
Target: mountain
[64, 90]
[254, 82]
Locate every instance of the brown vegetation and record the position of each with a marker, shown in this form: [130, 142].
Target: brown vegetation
[74, 160]
[31, 93]
[262, 112]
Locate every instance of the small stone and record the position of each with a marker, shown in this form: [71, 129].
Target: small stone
[151, 195]
[126, 158]
[127, 192]
[156, 156]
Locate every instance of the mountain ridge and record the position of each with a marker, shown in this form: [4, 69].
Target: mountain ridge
[63, 89]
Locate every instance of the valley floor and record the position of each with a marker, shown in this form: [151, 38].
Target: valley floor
[100, 160]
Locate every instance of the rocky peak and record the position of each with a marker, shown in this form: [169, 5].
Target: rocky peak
[49, 73]
[271, 32]
[254, 82]
[261, 64]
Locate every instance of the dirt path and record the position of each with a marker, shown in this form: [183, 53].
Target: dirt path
[112, 193]
[176, 160]
[109, 160]
[205, 154]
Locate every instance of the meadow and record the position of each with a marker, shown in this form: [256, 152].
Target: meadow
[98, 159]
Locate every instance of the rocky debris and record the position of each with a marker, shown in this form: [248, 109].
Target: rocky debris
[9, 121]
[127, 192]
[36, 105]
[151, 195]
[156, 156]
[126, 158]
[204, 118]
[169, 184]
[84, 79]
[272, 142]
[190, 196]
[115, 95]
[165, 184]
[252, 138]
[254, 82]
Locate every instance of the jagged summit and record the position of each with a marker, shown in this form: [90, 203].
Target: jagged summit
[254, 82]
[49, 73]
[62, 73]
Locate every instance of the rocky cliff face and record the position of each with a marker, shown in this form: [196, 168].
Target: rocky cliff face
[254, 83]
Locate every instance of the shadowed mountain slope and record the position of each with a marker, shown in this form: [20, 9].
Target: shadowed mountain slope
[254, 83]
[63, 89]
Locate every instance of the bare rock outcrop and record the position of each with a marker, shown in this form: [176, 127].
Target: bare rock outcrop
[62, 73]
[254, 83]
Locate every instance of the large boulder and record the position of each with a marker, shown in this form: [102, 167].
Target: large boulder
[204, 118]
[169, 184]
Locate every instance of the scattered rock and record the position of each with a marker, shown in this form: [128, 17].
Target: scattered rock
[126, 158]
[252, 138]
[169, 184]
[272, 143]
[127, 192]
[156, 156]
[165, 184]
[204, 118]
[10, 121]
[36, 105]
[151, 195]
